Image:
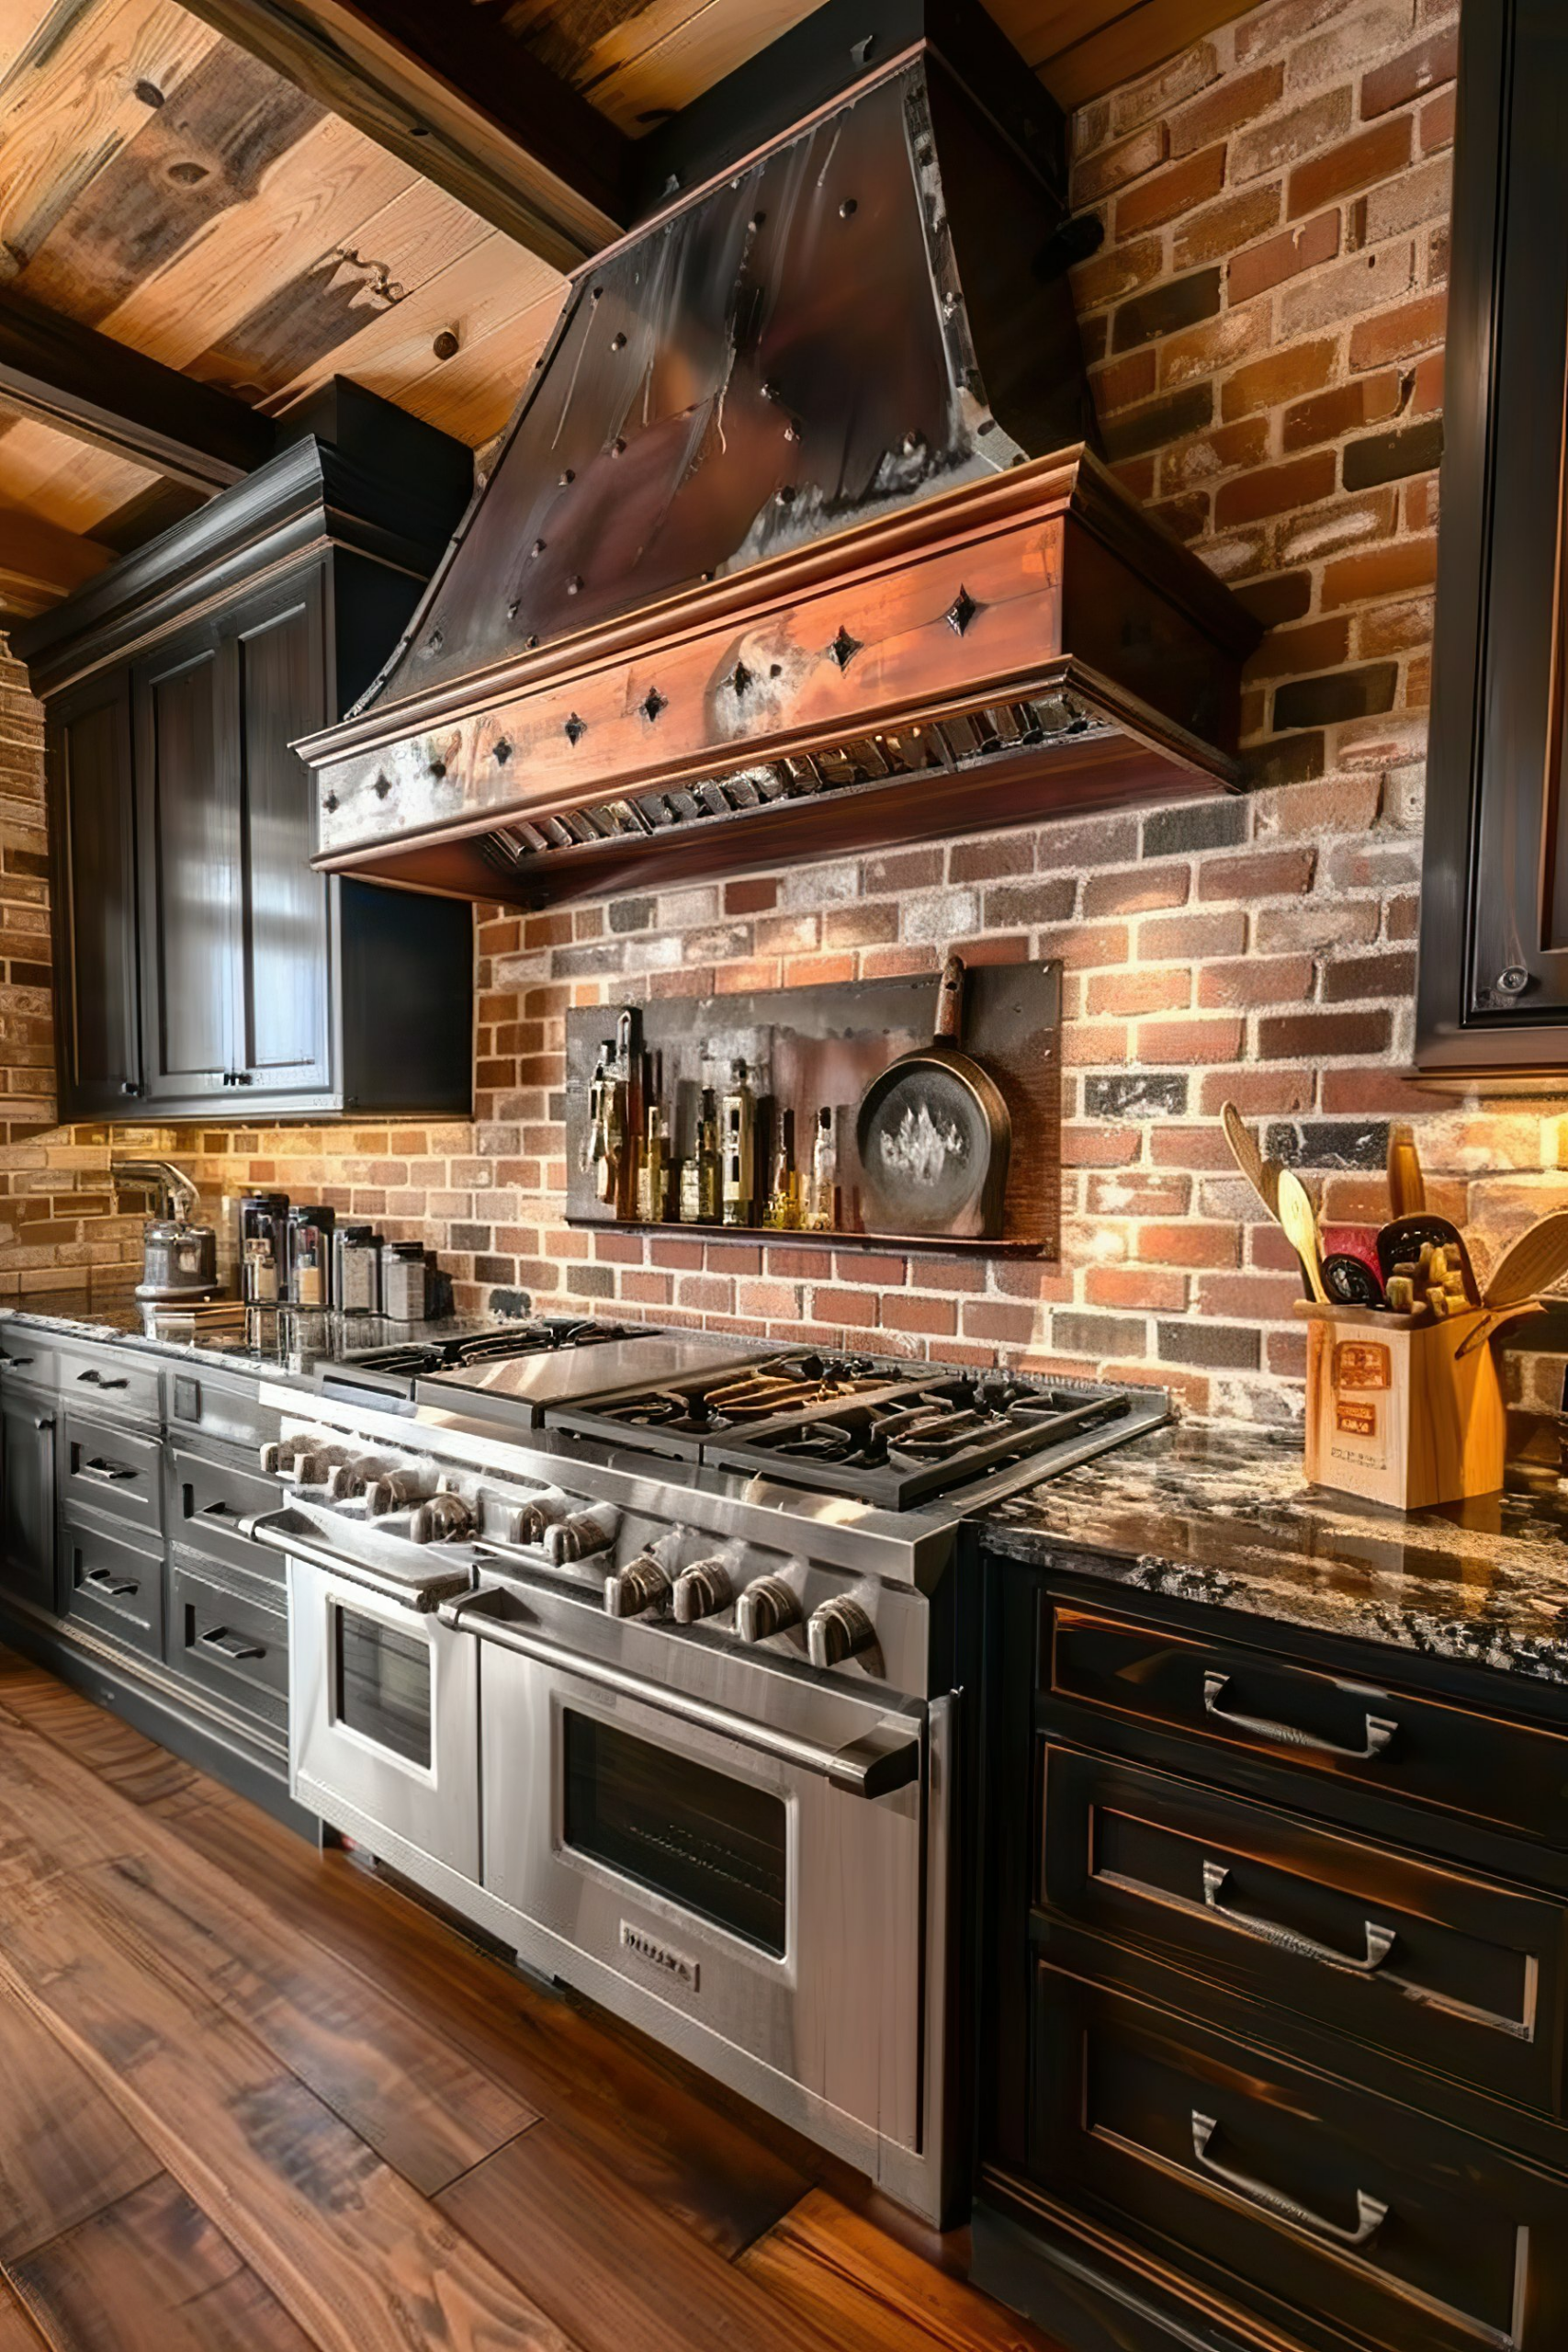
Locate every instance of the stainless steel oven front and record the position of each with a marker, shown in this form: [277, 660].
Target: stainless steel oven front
[741, 1845]
[383, 1720]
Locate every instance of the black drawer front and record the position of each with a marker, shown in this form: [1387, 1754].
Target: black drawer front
[110, 1470]
[1445, 1970]
[1313, 1726]
[110, 1380]
[221, 1408]
[114, 1586]
[230, 1643]
[208, 1501]
[1319, 2205]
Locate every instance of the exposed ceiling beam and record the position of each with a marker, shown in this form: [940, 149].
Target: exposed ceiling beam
[459, 99]
[85, 384]
[39, 563]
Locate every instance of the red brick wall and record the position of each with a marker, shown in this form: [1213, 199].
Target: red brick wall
[1264, 324]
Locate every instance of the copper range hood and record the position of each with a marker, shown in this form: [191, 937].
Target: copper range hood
[795, 543]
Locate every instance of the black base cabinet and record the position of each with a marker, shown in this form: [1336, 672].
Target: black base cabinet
[204, 969]
[122, 1566]
[1275, 2050]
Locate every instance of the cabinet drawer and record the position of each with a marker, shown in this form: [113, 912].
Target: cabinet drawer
[231, 1645]
[1245, 1703]
[112, 1379]
[1319, 2205]
[28, 1353]
[114, 1586]
[1448, 1970]
[221, 1408]
[208, 1501]
[110, 1470]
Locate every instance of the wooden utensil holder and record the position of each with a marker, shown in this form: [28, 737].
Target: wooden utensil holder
[1404, 1409]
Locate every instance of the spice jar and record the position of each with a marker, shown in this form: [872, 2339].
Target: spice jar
[405, 1281]
[311, 1255]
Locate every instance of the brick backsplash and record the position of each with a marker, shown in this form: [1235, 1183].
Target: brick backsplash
[1264, 327]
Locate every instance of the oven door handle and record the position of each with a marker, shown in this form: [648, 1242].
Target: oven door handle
[885, 1758]
[278, 1531]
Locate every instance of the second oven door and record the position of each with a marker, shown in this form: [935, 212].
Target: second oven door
[383, 1718]
[779, 1913]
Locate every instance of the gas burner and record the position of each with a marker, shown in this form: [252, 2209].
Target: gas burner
[393, 1370]
[682, 1416]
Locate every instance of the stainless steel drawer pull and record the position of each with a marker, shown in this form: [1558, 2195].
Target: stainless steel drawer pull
[888, 1757]
[112, 1473]
[101, 1379]
[216, 1510]
[1370, 2214]
[229, 1646]
[1379, 1941]
[1380, 1730]
[117, 1587]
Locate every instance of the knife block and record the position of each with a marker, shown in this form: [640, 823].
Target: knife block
[1403, 1409]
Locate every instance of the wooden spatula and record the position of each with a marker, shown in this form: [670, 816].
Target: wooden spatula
[1263, 1175]
[1406, 1185]
[1300, 1220]
[1531, 1262]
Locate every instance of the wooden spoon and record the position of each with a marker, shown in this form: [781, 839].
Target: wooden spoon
[1263, 1175]
[1300, 1220]
[1406, 1185]
[1536, 1259]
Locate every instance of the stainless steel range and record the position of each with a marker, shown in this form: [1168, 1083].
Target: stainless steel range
[642, 1654]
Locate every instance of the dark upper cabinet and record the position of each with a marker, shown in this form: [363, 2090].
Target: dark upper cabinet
[1493, 986]
[98, 1035]
[204, 968]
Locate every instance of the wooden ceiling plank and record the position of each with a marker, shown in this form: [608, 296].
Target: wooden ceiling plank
[665, 55]
[1081, 49]
[472, 395]
[493, 282]
[68, 108]
[84, 384]
[39, 562]
[63, 480]
[448, 91]
[342, 288]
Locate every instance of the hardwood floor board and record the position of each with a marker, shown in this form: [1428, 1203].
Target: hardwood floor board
[842, 2274]
[407, 2091]
[714, 2176]
[65, 2149]
[356, 2257]
[607, 2264]
[17, 2333]
[151, 2273]
[137, 1767]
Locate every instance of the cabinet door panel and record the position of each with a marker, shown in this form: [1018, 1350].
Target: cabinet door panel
[285, 1034]
[190, 879]
[26, 1514]
[93, 825]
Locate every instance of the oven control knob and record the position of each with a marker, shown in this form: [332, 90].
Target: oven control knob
[580, 1534]
[764, 1608]
[395, 1492]
[700, 1590]
[444, 1518]
[315, 1468]
[351, 1478]
[836, 1631]
[644, 1584]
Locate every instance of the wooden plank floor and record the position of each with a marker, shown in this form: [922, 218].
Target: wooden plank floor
[253, 2099]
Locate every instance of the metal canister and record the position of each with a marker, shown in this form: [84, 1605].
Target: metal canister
[405, 1281]
[264, 1247]
[311, 1255]
[356, 1270]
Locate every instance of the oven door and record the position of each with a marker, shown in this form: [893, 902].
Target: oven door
[764, 1881]
[383, 1720]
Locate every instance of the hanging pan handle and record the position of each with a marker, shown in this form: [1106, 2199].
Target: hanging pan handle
[949, 1002]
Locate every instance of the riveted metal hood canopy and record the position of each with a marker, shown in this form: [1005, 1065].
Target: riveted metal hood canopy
[777, 523]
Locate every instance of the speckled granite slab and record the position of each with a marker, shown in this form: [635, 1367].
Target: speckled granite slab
[1222, 1515]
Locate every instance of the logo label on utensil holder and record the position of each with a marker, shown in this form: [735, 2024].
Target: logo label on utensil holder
[1356, 1419]
[1362, 1365]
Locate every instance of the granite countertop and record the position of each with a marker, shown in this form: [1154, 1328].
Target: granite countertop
[1219, 1514]
[273, 1341]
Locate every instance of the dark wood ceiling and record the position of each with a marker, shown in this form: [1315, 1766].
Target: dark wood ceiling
[167, 190]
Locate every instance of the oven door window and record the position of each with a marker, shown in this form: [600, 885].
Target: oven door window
[716, 1847]
[382, 1682]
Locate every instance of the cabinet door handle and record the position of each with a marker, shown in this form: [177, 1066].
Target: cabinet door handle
[230, 1646]
[112, 1473]
[97, 1379]
[216, 1510]
[130, 1086]
[1380, 1730]
[118, 1587]
[1370, 2214]
[17, 1363]
[43, 1421]
[1379, 1941]
[244, 1078]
